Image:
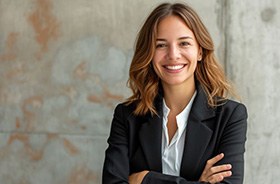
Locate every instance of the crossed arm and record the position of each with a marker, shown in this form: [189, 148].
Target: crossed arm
[229, 168]
[210, 174]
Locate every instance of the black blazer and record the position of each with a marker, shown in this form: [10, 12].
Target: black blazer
[135, 142]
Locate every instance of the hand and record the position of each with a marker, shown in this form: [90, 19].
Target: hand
[137, 178]
[214, 174]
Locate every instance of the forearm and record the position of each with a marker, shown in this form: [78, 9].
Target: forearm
[159, 178]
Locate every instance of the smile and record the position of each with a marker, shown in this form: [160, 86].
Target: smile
[174, 67]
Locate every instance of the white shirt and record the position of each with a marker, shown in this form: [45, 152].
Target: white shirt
[172, 153]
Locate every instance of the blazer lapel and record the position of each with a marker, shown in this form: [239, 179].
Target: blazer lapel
[198, 134]
[150, 135]
[150, 140]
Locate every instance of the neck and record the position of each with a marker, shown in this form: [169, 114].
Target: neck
[177, 97]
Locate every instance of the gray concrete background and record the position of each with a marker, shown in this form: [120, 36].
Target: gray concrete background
[64, 66]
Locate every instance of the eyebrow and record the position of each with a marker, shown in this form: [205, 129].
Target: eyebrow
[181, 38]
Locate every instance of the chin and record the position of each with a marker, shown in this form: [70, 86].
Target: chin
[173, 83]
[182, 81]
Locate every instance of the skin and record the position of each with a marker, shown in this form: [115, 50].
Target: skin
[175, 60]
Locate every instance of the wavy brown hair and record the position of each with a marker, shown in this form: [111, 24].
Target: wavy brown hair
[143, 80]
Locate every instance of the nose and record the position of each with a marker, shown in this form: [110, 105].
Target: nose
[173, 52]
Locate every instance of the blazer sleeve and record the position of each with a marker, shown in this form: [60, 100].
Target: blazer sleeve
[232, 144]
[116, 164]
[159, 178]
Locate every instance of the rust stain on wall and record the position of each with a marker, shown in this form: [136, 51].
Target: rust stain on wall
[80, 71]
[24, 181]
[17, 123]
[44, 24]
[110, 95]
[106, 97]
[9, 51]
[18, 136]
[52, 136]
[34, 155]
[70, 147]
[11, 41]
[28, 107]
[70, 92]
[95, 98]
[82, 174]
[14, 72]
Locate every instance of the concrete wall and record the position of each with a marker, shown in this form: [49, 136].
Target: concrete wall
[64, 66]
[253, 62]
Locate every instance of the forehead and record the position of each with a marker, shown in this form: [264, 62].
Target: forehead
[173, 26]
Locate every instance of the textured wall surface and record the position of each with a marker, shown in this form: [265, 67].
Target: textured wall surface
[64, 66]
[253, 62]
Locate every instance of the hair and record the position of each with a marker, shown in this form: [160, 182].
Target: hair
[143, 80]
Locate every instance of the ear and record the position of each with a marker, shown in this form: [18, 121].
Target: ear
[200, 54]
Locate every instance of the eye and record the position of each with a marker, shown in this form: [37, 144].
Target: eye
[184, 44]
[161, 45]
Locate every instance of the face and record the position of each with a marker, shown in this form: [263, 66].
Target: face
[177, 52]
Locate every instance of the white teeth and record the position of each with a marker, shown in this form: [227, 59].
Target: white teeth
[174, 67]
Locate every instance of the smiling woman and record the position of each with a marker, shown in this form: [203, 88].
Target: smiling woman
[178, 126]
[176, 54]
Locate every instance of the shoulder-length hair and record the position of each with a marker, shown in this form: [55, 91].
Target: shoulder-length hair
[143, 80]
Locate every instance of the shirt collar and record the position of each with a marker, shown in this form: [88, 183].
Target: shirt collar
[182, 117]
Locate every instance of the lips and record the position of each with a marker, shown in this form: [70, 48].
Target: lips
[174, 67]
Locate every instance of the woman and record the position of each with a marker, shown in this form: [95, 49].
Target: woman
[178, 126]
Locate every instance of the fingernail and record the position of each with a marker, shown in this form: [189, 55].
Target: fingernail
[229, 173]
[229, 166]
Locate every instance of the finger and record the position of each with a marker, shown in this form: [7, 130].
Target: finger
[214, 160]
[219, 177]
[218, 169]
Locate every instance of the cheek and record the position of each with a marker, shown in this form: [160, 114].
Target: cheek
[189, 53]
[156, 60]
[155, 67]
[159, 55]
[191, 56]
[195, 65]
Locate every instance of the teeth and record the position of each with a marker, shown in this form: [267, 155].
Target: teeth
[174, 67]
